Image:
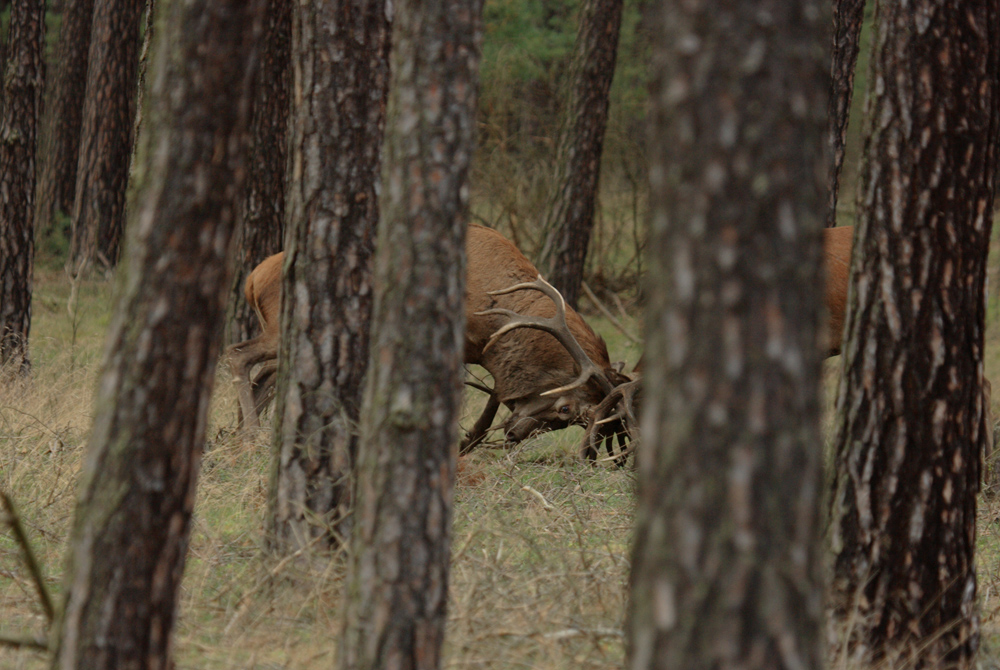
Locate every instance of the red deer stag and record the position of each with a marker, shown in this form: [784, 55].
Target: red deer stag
[549, 367]
[614, 418]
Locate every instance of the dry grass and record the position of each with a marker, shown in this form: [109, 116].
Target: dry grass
[540, 541]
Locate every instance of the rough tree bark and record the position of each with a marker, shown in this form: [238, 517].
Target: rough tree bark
[98, 217]
[910, 409]
[727, 562]
[848, 15]
[62, 118]
[132, 521]
[261, 226]
[570, 213]
[341, 63]
[22, 90]
[397, 585]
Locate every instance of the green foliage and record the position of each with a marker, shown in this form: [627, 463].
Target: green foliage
[52, 241]
[525, 39]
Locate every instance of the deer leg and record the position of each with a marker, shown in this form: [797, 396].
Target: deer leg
[242, 357]
[264, 384]
[482, 425]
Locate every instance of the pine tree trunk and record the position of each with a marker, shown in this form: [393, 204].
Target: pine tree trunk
[98, 217]
[341, 68]
[22, 91]
[727, 562]
[61, 121]
[570, 215]
[848, 15]
[261, 226]
[132, 521]
[910, 411]
[394, 610]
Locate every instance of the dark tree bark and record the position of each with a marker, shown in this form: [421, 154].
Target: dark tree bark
[570, 214]
[341, 64]
[394, 609]
[261, 227]
[3, 38]
[98, 217]
[910, 409]
[62, 118]
[848, 15]
[132, 521]
[22, 90]
[727, 562]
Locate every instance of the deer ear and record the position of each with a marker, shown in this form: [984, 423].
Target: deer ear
[618, 366]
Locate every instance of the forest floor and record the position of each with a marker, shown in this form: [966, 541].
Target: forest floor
[540, 542]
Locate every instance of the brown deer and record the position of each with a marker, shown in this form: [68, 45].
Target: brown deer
[614, 417]
[548, 365]
[263, 293]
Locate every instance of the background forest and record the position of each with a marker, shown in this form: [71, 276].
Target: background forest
[540, 553]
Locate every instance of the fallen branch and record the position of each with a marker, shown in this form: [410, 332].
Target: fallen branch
[545, 503]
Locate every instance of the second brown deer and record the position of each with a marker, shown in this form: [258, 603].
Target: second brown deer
[614, 419]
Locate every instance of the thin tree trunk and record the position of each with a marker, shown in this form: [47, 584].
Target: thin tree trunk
[570, 214]
[148, 25]
[106, 135]
[261, 227]
[340, 52]
[22, 91]
[911, 425]
[394, 609]
[132, 521]
[848, 15]
[61, 121]
[727, 561]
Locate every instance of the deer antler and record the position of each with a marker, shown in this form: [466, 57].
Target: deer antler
[614, 418]
[555, 326]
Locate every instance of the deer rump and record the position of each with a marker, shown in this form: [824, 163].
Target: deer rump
[523, 335]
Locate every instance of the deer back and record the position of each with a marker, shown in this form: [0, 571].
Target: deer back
[263, 290]
[523, 362]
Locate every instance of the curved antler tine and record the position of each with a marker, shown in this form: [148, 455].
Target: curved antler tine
[617, 416]
[585, 376]
[518, 321]
[541, 286]
[620, 456]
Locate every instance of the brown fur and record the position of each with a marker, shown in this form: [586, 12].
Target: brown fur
[837, 245]
[524, 362]
[263, 294]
